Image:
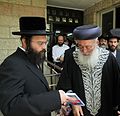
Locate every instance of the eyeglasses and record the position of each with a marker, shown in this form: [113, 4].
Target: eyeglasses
[40, 42]
[86, 46]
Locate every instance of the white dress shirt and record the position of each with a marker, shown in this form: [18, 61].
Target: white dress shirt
[58, 51]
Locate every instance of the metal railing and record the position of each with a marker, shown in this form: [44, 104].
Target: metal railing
[53, 76]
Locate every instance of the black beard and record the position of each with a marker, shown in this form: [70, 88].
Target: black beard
[112, 49]
[34, 57]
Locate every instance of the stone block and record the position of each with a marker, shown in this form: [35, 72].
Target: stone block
[4, 0]
[5, 8]
[7, 44]
[21, 2]
[6, 20]
[39, 3]
[4, 32]
[18, 10]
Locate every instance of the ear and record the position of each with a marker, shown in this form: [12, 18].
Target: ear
[24, 43]
[97, 42]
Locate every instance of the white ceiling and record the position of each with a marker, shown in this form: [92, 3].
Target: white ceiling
[73, 4]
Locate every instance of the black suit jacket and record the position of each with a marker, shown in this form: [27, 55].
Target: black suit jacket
[118, 56]
[24, 90]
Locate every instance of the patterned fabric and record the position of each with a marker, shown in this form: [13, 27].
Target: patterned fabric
[92, 80]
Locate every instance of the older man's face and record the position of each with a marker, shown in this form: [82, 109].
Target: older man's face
[86, 46]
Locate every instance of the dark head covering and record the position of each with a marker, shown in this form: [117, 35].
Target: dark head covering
[32, 26]
[86, 32]
[113, 33]
[102, 37]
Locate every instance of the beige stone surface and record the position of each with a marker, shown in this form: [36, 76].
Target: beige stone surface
[6, 20]
[10, 12]
[6, 44]
[4, 0]
[4, 32]
[5, 8]
[90, 13]
[21, 2]
[39, 3]
[7, 47]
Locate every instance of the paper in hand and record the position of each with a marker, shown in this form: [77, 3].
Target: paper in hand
[77, 100]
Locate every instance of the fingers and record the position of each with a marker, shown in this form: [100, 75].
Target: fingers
[77, 110]
[62, 96]
[81, 111]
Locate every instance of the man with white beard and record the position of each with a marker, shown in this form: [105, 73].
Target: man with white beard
[92, 73]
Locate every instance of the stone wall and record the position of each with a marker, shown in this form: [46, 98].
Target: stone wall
[90, 14]
[10, 12]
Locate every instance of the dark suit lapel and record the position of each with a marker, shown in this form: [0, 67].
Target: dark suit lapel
[32, 67]
[118, 55]
[38, 73]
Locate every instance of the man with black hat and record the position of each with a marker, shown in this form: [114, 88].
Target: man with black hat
[113, 41]
[92, 73]
[24, 90]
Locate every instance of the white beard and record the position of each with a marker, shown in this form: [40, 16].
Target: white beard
[90, 60]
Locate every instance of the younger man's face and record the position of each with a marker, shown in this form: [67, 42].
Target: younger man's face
[113, 44]
[60, 40]
[37, 48]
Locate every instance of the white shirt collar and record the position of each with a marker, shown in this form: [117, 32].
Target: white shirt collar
[114, 53]
[22, 49]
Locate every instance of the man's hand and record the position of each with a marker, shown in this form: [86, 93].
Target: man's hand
[58, 59]
[65, 98]
[65, 110]
[77, 110]
[61, 58]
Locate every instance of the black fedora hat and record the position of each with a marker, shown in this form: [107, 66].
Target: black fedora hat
[86, 32]
[113, 33]
[32, 26]
[102, 37]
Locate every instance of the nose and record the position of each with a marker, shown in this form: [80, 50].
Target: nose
[44, 46]
[84, 50]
